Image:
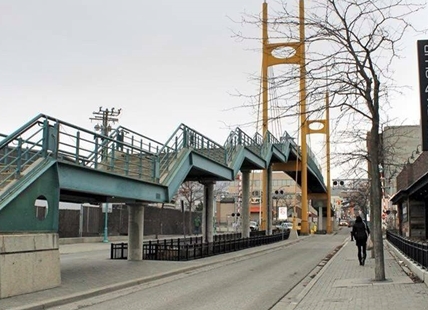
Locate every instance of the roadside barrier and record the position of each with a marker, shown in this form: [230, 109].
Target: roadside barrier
[183, 249]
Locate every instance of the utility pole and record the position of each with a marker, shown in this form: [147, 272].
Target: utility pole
[106, 116]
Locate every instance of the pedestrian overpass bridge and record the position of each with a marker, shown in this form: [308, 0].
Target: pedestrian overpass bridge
[57, 161]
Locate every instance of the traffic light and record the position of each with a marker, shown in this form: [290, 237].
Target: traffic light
[338, 183]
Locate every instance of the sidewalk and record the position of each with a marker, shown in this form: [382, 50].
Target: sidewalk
[343, 284]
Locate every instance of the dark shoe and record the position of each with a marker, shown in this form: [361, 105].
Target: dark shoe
[363, 261]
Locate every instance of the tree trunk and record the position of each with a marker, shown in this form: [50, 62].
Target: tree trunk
[191, 231]
[375, 199]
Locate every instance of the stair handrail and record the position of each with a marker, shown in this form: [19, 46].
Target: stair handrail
[268, 141]
[182, 138]
[123, 138]
[238, 137]
[131, 137]
[21, 148]
[21, 129]
[70, 144]
[311, 159]
[97, 151]
[230, 146]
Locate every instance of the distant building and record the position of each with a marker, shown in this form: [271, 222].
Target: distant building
[285, 193]
[400, 145]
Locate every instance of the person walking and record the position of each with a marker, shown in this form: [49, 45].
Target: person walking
[361, 232]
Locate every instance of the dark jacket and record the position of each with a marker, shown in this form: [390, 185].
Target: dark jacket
[360, 231]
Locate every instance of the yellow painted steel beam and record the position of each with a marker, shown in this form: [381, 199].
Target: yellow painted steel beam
[327, 134]
[288, 166]
[299, 58]
[265, 98]
[304, 230]
[317, 196]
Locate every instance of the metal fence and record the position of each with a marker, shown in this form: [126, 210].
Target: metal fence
[415, 250]
[184, 249]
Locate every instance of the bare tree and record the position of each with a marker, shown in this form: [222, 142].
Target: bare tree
[350, 49]
[192, 193]
[357, 193]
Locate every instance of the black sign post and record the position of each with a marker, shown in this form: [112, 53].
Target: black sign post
[423, 88]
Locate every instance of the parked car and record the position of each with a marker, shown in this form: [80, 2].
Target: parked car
[343, 222]
[284, 226]
[254, 226]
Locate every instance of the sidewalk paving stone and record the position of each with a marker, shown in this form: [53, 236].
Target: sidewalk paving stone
[344, 284]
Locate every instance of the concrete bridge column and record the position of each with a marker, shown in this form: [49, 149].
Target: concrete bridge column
[324, 224]
[135, 231]
[245, 212]
[320, 219]
[208, 212]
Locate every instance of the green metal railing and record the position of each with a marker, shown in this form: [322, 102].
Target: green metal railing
[187, 138]
[314, 165]
[230, 147]
[239, 138]
[137, 140]
[44, 137]
[124, 152]
[22, 148]
[267, 143]
[284, 143]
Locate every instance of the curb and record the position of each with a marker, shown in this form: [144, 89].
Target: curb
[293, 304]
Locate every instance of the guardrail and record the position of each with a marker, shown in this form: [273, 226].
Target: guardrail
[415, 250]
[194, 248]
[120, 250]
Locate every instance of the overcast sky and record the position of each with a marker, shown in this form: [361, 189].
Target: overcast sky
[162, 62]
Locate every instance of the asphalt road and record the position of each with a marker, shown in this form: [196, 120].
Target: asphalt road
[257, 281]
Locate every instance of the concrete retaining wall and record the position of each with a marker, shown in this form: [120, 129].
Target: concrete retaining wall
[28, 263]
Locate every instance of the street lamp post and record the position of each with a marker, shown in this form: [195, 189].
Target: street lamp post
[105, 239]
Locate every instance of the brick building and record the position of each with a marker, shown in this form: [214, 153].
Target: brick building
[412, 197]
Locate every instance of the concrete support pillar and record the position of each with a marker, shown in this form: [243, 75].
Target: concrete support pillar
[208, 229]
[245, 212]
[270, 203]
[320, 219]
[204, 218]
[135, 231]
